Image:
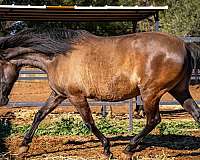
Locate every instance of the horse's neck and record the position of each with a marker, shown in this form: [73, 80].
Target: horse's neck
[33, 59]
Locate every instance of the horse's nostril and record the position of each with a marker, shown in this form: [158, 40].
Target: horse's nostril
[4, 101]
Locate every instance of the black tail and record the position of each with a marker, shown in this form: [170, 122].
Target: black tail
[194, 51]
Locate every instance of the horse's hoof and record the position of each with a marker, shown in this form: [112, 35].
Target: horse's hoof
[23, 149]
[108, 156]
[111, 156]
[126, 156]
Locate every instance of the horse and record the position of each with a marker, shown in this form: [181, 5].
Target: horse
[80, 65]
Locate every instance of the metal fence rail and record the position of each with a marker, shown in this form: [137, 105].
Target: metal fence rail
[91, 103]
[96, 103]
[41, 75]
[191, 39]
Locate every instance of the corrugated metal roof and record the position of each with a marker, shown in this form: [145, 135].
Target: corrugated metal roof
[78, 13]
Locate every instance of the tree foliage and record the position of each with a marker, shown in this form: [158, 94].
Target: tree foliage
[182, 17]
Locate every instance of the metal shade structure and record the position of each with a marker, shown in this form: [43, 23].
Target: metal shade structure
[81, 14]
[77, 13]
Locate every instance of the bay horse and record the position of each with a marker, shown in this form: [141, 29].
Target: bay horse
[80, 65]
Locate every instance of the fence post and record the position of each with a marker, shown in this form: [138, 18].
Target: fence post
[138, 104]
[103, 110]
[130, 113]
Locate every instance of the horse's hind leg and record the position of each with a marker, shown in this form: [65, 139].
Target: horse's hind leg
[53, 101]
[151, 108]
[182, 94]
[83, 108]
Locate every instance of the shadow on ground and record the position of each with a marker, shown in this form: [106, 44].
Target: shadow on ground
[174, 142]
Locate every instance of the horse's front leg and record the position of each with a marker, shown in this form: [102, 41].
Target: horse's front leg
[83, 108]
[151, 108]
[53, 101]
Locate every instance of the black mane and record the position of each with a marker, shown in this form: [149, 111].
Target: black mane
[49, 43]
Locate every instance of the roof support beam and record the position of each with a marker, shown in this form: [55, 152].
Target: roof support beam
[77, 13]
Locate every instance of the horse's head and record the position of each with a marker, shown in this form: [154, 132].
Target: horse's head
[8, 75]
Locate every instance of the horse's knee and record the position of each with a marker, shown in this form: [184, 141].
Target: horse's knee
[39, 116]
[156, 120]
[153, 119]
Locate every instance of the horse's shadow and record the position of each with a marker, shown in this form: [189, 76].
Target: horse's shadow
[175, 142]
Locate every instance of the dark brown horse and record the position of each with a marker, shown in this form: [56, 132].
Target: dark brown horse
[80, 65]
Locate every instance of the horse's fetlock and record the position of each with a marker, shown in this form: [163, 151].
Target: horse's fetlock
[154, 122]
[89, 126]
[106, 145]
[106, 142]
[107, 151]
[26, 141]
[157, 120]
[130, 148]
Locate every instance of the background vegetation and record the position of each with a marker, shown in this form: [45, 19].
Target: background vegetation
[182, 18]
[72, 124]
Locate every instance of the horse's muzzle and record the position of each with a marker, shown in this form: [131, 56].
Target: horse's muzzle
[4, 101]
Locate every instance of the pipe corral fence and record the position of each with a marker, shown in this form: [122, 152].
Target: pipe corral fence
[106, 13]
[36, 74]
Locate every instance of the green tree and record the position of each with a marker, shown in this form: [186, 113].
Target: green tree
[182, 17]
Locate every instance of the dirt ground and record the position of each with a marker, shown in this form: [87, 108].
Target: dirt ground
[79, 147]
